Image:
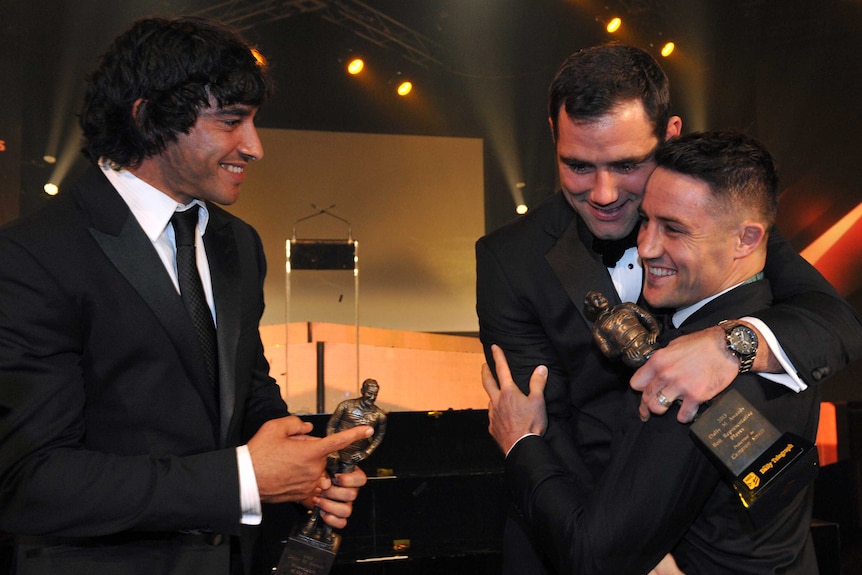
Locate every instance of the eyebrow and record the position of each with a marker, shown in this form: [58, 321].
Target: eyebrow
[569, 160]
[645, 158]
[242, 110]
[665, 220]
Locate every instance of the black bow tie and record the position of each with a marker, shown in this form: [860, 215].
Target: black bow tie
[612, 250]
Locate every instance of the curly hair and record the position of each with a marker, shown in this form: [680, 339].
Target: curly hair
[592, 81]
[154, 80]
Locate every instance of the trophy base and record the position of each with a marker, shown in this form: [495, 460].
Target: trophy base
[777, 475]
[766, 468]
[307, 556]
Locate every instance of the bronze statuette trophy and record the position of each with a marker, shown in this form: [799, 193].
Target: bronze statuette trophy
[312, 548]
[764, 466]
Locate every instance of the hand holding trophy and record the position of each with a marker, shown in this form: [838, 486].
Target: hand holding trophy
[763, 465]
[312, 549]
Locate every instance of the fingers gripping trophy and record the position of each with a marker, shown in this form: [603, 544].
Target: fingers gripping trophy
[312, 549]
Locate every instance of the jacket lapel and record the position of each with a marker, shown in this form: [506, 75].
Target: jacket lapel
[124, 242]
[225, 272]
[578, 270]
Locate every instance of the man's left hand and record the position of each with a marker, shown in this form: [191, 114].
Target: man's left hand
[693, 368]
[336, 503]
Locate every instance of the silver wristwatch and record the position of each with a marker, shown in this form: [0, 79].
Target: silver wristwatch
[742, 342]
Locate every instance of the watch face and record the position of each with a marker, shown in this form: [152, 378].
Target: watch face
[742, 340]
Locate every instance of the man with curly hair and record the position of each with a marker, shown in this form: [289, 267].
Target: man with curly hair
[140, 431]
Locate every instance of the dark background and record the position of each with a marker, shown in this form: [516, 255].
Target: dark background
[788, 72]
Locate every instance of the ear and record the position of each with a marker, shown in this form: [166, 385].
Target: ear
[553, 132]
[674, 127]
[136, 109]
[751, 236]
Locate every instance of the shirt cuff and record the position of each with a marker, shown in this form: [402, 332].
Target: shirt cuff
[789, 378]
[519, 440]
[249, 496]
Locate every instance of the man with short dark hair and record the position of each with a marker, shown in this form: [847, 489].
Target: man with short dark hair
[140, 430]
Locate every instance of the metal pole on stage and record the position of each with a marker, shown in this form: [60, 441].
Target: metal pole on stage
[321, 254]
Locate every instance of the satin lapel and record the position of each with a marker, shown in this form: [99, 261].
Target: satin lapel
[131, 251]
[578, 271]
[225, 271]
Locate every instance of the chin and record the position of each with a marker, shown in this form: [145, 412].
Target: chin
[656, 301]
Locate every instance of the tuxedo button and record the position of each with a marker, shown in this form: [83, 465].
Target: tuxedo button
[821, 373]
[215, 539]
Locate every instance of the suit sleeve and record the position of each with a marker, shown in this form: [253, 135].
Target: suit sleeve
[655, 485]
[818, 329]
[49, 482]
[508, 321]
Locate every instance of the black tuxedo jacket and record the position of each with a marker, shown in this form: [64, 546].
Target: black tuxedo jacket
[111, 439]
[661, 489]
[532, 276]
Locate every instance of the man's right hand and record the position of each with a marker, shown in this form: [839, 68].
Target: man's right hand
[511, 414]
[289, 464]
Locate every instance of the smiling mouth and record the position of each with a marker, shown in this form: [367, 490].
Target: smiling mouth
[233, 169]
[660, 272]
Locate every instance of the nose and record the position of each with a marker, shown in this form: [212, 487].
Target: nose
[604, 192]
[250, 146]
[649, 246]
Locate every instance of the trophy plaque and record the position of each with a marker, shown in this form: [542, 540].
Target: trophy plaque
[312, 548]
[765, 467]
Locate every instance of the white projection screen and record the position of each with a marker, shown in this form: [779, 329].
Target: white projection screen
[415, 205]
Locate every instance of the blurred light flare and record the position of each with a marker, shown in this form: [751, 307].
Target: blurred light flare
[404, 88]
[355, 66]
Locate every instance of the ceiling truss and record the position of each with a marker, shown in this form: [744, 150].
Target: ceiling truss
[363, 20]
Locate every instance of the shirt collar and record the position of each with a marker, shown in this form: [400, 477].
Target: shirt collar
[683, 314]
[150, 206]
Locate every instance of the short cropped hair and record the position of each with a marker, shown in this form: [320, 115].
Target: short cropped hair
[591, 82]
[175, 68]
[738, 169]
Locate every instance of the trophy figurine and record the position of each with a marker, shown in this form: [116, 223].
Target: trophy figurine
[763, 465]
[312, 549]
[626, 330]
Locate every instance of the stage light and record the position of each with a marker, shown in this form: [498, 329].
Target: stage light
[614, 25]
[260, 58]
[668, 49]
[49, 159]
[521, 209]
[355, 66]
[404, 88]
[51, 189]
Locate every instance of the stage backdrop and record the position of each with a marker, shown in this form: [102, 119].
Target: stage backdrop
[415, 205]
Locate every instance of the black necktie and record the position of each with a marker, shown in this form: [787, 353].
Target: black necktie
[191, 289]
[612, 250]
